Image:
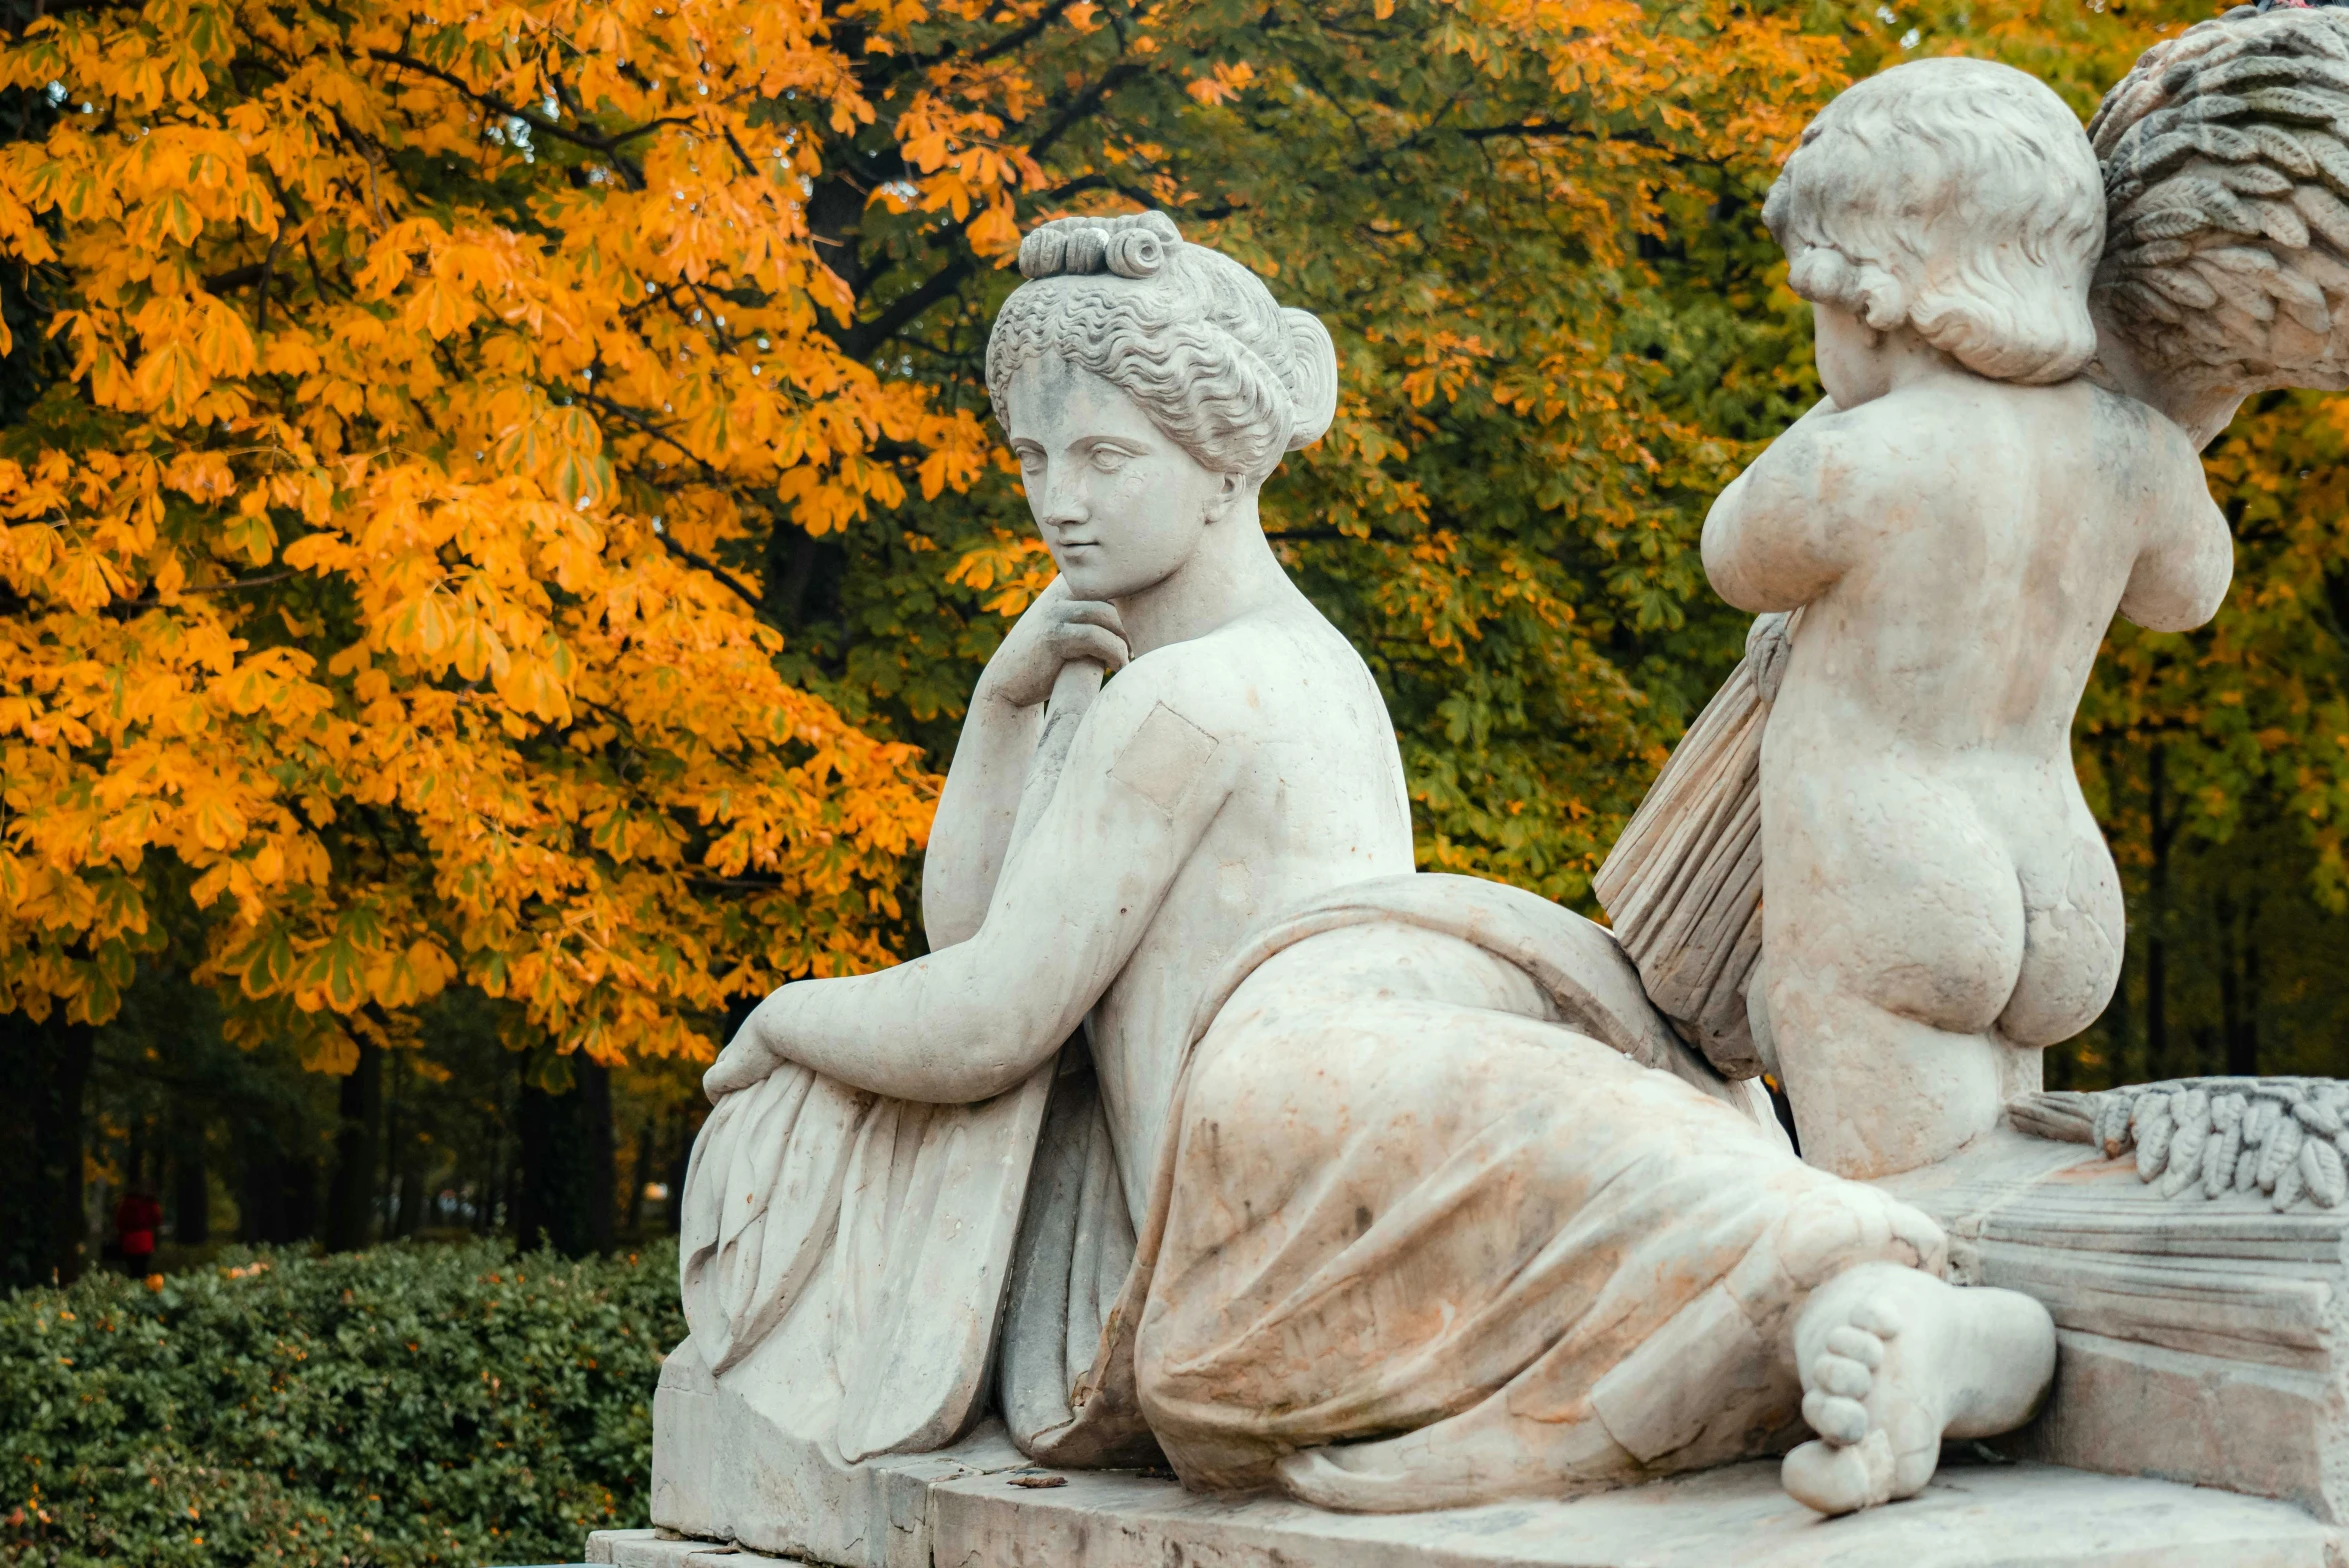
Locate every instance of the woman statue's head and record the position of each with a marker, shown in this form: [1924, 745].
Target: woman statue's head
[1148, 387]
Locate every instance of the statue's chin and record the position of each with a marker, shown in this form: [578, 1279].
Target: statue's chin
[1109, 582]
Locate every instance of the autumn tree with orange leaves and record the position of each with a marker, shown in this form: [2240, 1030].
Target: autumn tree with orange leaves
[446, 412]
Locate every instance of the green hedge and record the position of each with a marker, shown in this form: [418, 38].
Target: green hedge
[411, 1405]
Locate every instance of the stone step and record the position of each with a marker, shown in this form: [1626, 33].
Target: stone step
[1974, 1515]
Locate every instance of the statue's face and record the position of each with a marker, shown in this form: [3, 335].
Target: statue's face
[1121, 506]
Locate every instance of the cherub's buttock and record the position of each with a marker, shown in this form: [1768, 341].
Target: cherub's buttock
[2071, 945]
[1909, 899]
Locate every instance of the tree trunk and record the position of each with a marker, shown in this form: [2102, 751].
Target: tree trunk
[298, 1197]
[191, 1183]
[565, 1196]
[680, 1161]
[2241, 995]
[357, 1154]
[261, 1209]
[392, 1204]
[638, 1175]
[601, 1157]
[47, 1069]
[2157, 1015]
[411, 1212]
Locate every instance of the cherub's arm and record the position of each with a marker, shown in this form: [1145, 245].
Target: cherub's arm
[1771, 541]
[1145, 776]
[2182, 573]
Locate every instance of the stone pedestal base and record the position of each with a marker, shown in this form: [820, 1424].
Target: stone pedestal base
[1972, 1516]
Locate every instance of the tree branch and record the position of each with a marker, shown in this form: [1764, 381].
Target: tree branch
[608, 146]
[726, 579]
[1083, 105]
[150, 601]
[861, 341]
[1021, 35]
[236, 278]
[1551, 129]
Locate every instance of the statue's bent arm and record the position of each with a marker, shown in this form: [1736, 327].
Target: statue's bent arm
[2181, 576]
[1776, 538]
[976, 810]
[968, 1022]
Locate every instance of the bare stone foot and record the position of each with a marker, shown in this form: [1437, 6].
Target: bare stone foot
[1892, 1361]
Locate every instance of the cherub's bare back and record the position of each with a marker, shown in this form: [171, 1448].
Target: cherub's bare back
[1937, 892]
[1978, 592]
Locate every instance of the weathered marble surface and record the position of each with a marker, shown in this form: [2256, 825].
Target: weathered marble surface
[852, 1209]
[1208, 1131]
[1964, 514]
[1970, 1516]
[1958, 522]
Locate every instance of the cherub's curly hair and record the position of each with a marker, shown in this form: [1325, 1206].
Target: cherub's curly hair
[1959, 197]
[1192, 336]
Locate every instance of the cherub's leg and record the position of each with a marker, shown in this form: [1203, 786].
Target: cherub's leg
[1894, 932]
[1894, 1360]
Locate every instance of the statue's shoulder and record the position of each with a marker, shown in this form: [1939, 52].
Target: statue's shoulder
[1242, 678]
[2154, 432]
[1852, 456]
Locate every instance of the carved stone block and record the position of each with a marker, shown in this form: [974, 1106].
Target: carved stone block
[2202, 1339]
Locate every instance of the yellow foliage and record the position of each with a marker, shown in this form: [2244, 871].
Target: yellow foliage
[395, 334]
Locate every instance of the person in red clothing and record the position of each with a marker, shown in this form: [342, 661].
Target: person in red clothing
[135, 1219]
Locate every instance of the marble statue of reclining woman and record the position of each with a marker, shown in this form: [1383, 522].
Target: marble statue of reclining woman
[1207, 1127]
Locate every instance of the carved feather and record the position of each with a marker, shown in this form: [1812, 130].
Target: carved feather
[2226, 161]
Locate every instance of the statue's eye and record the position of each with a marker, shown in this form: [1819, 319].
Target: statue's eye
[1109, 459]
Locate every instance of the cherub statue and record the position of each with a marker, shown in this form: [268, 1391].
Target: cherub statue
[1958, 522]
[1389, 1190]
[2223, 270]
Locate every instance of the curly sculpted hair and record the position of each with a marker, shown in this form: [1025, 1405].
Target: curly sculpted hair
[1959, 197]
[1191, 336]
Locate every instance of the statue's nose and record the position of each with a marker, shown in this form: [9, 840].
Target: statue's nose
[1064, 504]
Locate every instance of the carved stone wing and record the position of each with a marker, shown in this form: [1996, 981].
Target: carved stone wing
[2226, 260]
